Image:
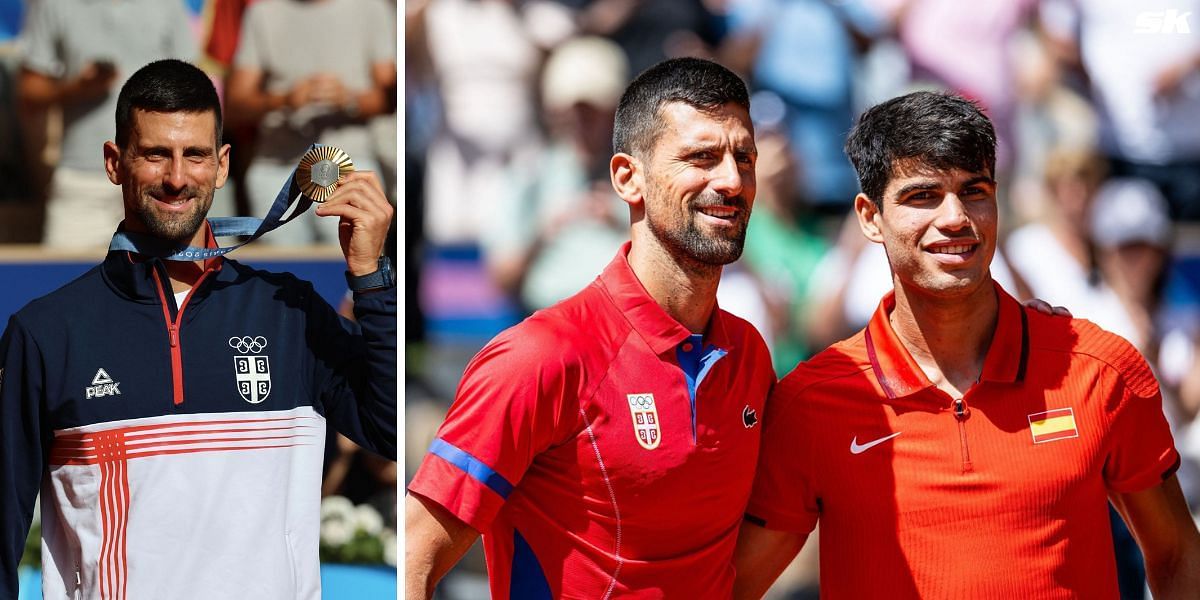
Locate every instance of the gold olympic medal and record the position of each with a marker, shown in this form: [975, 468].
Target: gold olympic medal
[321, 170]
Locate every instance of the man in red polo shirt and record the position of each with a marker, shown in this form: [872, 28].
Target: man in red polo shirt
[961, 446]
[605, 447]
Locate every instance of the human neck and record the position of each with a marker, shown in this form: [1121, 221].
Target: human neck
[687, 291]
[948, 337]
[183, 274]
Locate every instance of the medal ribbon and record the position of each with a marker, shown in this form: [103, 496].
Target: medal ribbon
[221, 227]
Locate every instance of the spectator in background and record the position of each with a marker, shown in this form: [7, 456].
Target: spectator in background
[225, 26]
[420, 117]
[360, 476]
[1132, 235]
[310, 71]
[384, 128]
[1131, 232]
[1053, 113]
[485, 58]
[1056, 257]
[225, 30]
[651, 30]
[966, 47]
[766, 38]
[1143, 65]
[77, 53]
[559, 222]
[783, 252]
[14, 167]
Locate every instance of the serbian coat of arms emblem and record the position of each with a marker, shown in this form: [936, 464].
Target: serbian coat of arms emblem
[252, 371]
[645, 420]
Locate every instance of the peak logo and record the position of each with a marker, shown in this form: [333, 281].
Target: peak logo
[1162, 21]
[102, 385]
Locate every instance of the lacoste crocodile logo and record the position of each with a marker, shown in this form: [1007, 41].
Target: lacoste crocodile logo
[749, 417]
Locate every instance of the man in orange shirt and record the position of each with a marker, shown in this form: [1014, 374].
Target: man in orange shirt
[961, 446]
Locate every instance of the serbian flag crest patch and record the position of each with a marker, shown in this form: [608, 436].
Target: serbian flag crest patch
[1057, 424]
[645, 420]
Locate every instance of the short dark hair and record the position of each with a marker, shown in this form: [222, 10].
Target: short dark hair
[702, 84]
[168, 85]
[932, 129]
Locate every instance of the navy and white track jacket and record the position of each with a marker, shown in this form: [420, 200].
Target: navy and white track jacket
[178, 450]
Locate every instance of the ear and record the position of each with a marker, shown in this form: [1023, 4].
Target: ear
[112, 163]
[222, 165]
[868, 218]
[625, 172]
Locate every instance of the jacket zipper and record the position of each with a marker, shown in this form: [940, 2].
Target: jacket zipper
[173, 333]
[961, 414]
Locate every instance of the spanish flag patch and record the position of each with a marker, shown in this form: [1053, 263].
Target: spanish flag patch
[1057, 424]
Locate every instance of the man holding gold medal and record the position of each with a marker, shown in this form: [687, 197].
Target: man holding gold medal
[171, 404]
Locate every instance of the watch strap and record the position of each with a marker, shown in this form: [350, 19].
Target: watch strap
[382, 277]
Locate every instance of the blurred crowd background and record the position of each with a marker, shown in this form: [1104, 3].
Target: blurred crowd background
[289, 72]
[508, 112]
[508, 109]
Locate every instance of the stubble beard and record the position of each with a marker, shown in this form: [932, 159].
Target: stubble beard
[704, 251]
[176, 228]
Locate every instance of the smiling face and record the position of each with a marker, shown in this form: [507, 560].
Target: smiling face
[168, 173]
[938, 228]
[699, 183]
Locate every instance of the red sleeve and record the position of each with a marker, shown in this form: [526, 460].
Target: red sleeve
[1142, 453]
[784, 496]
[517, 397]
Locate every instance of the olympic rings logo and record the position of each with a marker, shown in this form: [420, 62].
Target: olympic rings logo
[643, 401]
[246, 343]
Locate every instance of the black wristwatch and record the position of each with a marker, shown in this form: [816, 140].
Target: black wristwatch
[381, 278]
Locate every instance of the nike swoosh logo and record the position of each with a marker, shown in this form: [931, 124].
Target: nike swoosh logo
[855, 448]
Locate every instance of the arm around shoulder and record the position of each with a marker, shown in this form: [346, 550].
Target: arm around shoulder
[1164, 529]
[760, 557]
[434, 541]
